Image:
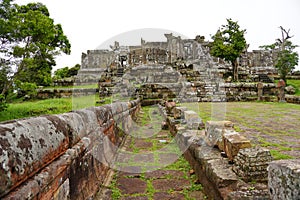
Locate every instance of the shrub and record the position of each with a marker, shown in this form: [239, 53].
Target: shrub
[3, 104]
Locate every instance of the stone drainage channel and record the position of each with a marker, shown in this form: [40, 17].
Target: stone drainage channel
[149, 165]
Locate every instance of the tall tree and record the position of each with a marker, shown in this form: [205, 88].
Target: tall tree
[287, 57]
[228, 43]
[34, 41]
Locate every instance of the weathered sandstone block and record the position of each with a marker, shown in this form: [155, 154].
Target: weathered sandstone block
[284, 179]
[233, 142]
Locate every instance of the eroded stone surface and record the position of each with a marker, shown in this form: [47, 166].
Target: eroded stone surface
[284, 179]
[27, 146]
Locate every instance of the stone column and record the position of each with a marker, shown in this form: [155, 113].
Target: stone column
[281, 86]
[260, 91]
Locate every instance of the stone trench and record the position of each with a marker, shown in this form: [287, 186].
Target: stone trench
[149, 165]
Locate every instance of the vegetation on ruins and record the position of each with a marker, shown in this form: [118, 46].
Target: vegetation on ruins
[287, 57]
[229, 42]
[30, 40]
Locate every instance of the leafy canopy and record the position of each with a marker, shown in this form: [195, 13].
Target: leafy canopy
[30, 41]
[228, 43]
[287, 58]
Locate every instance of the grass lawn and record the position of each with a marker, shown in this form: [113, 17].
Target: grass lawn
[271, 125]
[48, 106]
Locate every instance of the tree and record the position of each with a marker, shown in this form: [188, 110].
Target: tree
[287, 59]
[228, 43]
[66, 72]
[32, 42]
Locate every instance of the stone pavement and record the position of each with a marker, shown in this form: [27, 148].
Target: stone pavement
[150, 165]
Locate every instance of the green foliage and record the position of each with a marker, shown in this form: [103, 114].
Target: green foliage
[295, 84]
[61, 73]
[29, 43]
[66, 72]
[3, 104]
[287, 57]
[229, 42]
[286, 62]
[26, 89]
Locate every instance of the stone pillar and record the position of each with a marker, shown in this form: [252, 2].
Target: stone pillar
[281, 86]
[260, 91]
[284, 179]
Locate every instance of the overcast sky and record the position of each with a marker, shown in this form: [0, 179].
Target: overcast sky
[88, 24]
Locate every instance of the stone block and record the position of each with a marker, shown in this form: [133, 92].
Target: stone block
[170, 106]
[76, 125]
[233, 142]
[214, 131]
[191, 116]
[284, 179]
[251, 163]
[179, 112]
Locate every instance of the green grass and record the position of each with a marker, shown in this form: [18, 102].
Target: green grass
[91, 86]
[279, 156]
[295, 84]
[48, 106]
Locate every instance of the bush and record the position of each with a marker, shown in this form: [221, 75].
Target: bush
[28, 90]
[3, 104]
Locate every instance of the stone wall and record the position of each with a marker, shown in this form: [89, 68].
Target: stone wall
[64, 156]
[62, 93]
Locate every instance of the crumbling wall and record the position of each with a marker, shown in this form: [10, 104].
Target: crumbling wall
[64, 156]
[213, 154]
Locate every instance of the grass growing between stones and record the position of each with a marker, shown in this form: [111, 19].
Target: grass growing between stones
[157, 178]
[271, 125]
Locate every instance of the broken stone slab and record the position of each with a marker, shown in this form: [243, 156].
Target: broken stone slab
[284, 179]
[233, 142]
[214, 131]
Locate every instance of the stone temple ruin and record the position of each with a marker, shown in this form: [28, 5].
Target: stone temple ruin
[68, 156]
[181, 68]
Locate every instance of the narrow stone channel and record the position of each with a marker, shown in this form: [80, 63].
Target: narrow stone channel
[150, 165]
